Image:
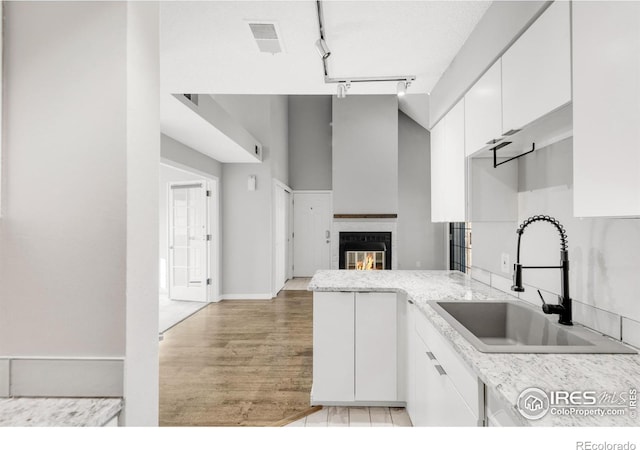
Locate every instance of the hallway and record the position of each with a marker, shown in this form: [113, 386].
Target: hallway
[238, 363]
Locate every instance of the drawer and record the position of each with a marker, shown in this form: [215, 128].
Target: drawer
[465, 380]
[499, 415]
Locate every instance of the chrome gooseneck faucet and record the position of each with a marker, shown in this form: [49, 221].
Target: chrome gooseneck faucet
[563, 309]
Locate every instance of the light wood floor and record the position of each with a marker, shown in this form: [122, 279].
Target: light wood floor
[238, 363]
[297, 284]
[339, 416]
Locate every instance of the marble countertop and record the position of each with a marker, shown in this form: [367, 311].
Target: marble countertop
[58, 412]
[507, 374]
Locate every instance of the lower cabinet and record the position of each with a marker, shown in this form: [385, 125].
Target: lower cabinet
[445, 392]
[354, 348]
[380, 349]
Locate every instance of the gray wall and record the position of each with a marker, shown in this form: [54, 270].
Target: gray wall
[500, 26]
[78, 236]
[603, 252]
[420, 242]
[63, 231]
[247, 215]
[186, 156]
[365, 154]
[310, 142]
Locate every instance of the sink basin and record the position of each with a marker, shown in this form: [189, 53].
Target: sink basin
[510, 327]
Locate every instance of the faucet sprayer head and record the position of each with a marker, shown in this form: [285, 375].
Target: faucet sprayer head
[517, 278]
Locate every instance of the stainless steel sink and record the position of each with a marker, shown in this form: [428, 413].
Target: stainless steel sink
[510, 327]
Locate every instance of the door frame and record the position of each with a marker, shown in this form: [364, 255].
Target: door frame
[277, 184]
[310, 191]
[214, 254]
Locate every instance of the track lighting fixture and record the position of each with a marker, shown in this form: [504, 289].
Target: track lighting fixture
[402, 87]
[342, 89]
[323, 49]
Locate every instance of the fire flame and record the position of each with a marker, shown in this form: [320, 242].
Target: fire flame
[368, 264]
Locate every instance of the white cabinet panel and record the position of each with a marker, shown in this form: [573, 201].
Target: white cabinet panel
[333, 346]
[606, 108]
[376, 347]
[445, 391]
[483, 110]
[497, 414]
[448, 167]
[410, 375]
[536, 70]
[423, 379]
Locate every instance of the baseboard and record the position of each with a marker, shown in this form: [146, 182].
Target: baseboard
[4, 377]
[247, 296]
[63, 377]
[384, 404]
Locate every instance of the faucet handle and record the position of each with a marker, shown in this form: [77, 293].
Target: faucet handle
[545, 307]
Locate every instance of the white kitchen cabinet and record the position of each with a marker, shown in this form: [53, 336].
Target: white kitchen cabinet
[498, 415]
[536, 70]
[606, 109]
[410, 364]
[448, 167]
[333, 347]
[376, 347]
[354, 348]
[445, 392]
[483, 110]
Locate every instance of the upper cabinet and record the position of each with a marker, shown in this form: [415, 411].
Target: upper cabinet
[448, 167]
[483, 110]
[606, 109]
[536, 70]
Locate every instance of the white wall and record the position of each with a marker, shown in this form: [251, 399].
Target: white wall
[310, 142]
[420, 242]
[365, 154]
[247, 215]
[78, 240]
[63, 234]
[603, 252]
[177, 152]
[141, 372]
[500, 26]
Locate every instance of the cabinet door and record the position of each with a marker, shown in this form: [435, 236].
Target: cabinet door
[376, 347]
[445, 407]
[410, 374]
[333, 346]
[423, 381]
[438, 175]
[483, 110]
[536, 70]
[606, 109]
[448, 168]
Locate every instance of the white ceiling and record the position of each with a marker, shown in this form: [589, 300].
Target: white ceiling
[207, 46]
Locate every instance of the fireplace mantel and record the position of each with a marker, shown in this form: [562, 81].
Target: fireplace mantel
[365, 216]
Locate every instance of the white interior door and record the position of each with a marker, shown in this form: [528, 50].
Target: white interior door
[312, 233]
[188, 241]
[281, 230]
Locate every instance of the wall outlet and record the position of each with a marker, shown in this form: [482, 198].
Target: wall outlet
[418, 264]
[504, 263]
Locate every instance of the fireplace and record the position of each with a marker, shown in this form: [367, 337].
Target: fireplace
[365, 250]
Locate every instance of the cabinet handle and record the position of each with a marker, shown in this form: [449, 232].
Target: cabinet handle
[410, 301]
[440, 370]
[431, 356]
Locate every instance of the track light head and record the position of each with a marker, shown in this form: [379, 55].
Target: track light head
[402, 87]
[342, 89]
[323, 49]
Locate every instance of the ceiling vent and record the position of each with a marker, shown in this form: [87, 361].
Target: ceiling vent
[266, 36]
